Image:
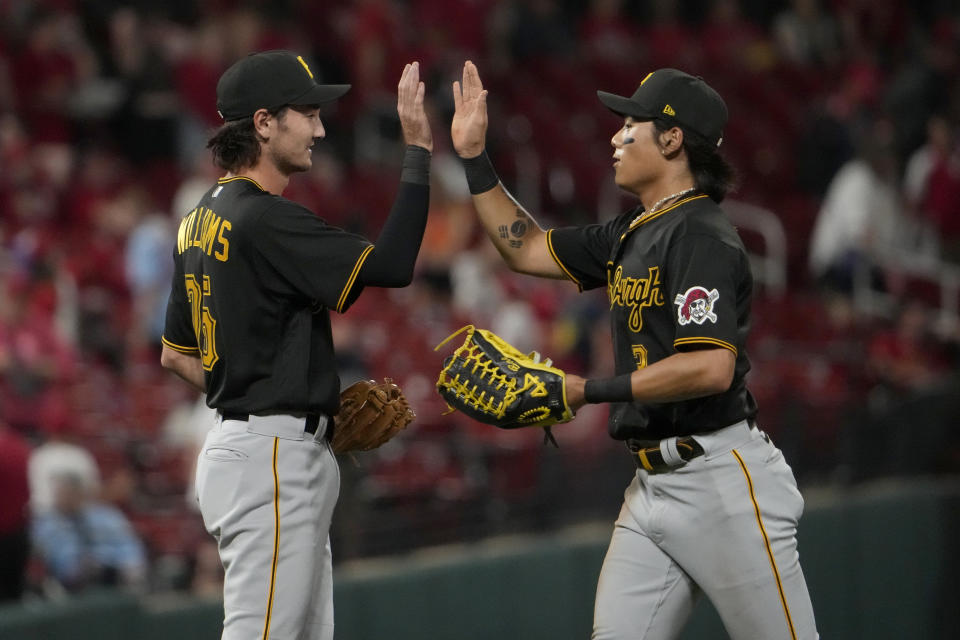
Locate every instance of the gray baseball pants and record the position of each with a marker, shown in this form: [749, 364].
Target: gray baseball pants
[267, 491]
[723, 524]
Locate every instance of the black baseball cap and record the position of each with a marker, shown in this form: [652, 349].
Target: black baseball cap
[270, 80]
[674, 97]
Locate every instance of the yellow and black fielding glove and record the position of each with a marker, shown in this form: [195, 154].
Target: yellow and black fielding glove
[491, 381]
[370, 414]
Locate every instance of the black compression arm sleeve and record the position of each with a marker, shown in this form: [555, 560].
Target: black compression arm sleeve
[394, 255]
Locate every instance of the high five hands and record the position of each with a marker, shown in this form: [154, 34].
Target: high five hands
[468, 131]
[413, 118]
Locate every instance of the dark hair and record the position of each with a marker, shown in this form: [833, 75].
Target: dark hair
[236, 144]
[712, 174]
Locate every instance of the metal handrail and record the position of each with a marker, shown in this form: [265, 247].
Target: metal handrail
[769, 267]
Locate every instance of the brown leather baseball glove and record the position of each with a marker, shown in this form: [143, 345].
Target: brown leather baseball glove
[370, 414]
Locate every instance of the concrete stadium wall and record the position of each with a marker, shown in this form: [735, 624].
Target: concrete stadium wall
[881, 562]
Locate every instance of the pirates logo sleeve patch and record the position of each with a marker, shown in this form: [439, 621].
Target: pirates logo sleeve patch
[696, 305]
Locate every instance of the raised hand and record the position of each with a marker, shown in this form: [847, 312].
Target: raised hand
[413, 118]
[468, 131]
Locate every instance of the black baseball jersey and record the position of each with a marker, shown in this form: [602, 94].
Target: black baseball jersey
[255, 277]
[677, 279]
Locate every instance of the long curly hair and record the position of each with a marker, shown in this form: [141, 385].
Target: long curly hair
[712, 174]
[236, 144]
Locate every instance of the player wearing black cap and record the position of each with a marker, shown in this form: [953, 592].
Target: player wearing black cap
[248, 321]
[713, 507]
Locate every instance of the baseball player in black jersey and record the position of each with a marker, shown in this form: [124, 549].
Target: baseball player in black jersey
[248, 321]
[713, 507]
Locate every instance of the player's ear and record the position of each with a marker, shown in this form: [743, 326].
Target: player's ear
[671, 140]
[262, 123]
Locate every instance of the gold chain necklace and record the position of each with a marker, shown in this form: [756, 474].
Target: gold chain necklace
[661, 201]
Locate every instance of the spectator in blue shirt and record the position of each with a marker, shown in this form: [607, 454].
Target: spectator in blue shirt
[83, 542]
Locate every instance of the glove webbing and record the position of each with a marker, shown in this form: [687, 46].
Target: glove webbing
[463, 389]
[498, 379]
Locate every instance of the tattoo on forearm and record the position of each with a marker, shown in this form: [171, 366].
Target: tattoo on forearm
[516, 230]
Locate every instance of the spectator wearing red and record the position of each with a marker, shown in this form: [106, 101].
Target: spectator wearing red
[453, 29]
[608, 37]
[35, 361]
[376, 43]
[732, 44]
[906, 357]
[668, 40]
[45, 72]
[942, 202]
[14, 517]
[870, 26]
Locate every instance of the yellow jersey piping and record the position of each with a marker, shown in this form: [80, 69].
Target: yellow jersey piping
[353, 276]
[180, 349]
[654, 216]
[226, 180]
[276, 540]
[719, 343]
[766, 543]
[556, 258]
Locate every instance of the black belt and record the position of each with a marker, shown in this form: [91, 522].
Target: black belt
[648, 455]
[310, 425]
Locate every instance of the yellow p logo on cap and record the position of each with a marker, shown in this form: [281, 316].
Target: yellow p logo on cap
[304, 63]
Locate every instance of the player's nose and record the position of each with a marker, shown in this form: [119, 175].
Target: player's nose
[319, 132]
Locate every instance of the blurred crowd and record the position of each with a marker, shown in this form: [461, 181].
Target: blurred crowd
[844, 126]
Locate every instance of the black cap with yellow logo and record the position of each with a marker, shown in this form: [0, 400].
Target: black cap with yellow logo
[674, 97]
[270, 80]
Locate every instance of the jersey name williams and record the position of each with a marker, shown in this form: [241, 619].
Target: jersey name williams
[205, 229]
[634, 293]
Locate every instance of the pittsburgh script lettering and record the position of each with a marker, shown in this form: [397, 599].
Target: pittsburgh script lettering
[635, 294]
